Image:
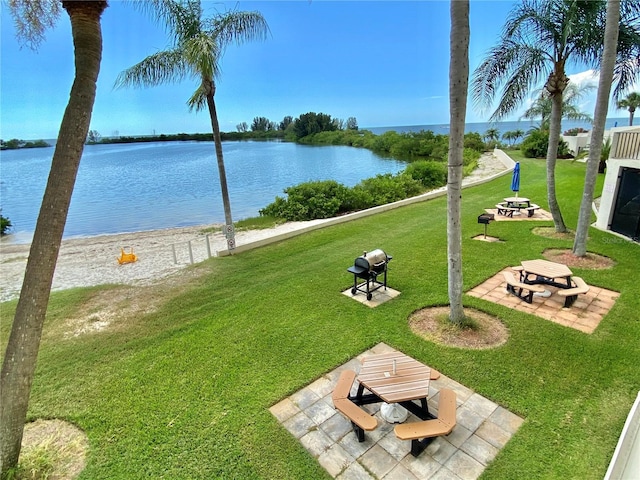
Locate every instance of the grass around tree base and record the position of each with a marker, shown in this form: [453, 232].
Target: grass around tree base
[183, 391]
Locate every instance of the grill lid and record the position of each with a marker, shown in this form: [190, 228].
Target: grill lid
[373, 260]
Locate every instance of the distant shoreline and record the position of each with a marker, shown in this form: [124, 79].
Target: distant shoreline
[435, 127]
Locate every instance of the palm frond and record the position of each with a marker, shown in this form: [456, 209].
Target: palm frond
[170, 13]
[236, 27]
[489, 75]
[32, 19]
[625, 76]
[159, 68]
[531, 69]
[198, 99]
[511, 65]
[627, 70]
[202, 52]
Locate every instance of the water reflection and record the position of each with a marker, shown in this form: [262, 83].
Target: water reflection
[145, 186]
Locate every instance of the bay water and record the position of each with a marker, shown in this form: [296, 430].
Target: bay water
[146, 186]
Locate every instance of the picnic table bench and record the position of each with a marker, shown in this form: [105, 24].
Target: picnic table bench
[532, 209]
[422, 433]
[360, 419]
[571, 294]
[506, 211]
[517, 288]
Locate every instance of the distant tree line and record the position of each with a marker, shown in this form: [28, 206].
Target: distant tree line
[15, 143]
[261, 128]
[295, 129]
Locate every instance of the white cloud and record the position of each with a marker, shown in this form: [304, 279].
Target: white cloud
[588, 77]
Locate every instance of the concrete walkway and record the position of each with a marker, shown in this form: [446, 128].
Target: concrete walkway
[483, 428]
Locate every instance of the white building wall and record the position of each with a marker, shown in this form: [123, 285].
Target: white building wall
[610, 188]
[577, 143]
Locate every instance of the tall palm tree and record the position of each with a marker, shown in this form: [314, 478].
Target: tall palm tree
[18, 366]
[458, 84]
[198, 46]
[541, 108]
[512, 136]
[492, 136]
[597, 133]
[540, 39]
[630, 102]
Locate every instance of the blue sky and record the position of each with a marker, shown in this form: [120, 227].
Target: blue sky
[383, 62]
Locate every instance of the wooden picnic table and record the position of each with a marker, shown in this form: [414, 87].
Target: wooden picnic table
[546, 272]
[409, 382]
[518, 202]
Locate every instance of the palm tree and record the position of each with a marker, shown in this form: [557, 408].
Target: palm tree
[198, 46]
[512, 136]
[597, 134]
[458, 83]
[18, 366]
[630, 102]
[492, 136]
[541, 108]
[540, 39]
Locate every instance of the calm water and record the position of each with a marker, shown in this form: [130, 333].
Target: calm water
[146, 186]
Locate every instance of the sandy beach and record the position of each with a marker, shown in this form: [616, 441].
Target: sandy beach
[93, 260]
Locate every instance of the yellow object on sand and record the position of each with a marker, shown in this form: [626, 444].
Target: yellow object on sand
[127, 257]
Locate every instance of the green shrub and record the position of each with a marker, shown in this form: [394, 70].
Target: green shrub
[474, 141]
[404, 147]
[389, 188]
[324, 199]
[309, 200]
[5, 225]
[383, 143]
[429, 173]
[536, 144]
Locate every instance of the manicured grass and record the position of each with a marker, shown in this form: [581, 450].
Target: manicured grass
[184, 392]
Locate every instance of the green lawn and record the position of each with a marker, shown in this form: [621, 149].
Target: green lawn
[184, 392]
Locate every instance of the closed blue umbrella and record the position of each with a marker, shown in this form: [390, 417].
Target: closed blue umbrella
[515, 180]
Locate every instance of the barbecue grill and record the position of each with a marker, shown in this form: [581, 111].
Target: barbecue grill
[367, 267]
[485, 218]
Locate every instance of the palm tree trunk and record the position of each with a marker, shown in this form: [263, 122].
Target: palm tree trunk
[607, 64]
[552, 156]
[21, 355]
[231, 241]
[458, 84]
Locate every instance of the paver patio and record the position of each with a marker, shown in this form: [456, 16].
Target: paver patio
[483, 428]
[378, 297]
[584, 315]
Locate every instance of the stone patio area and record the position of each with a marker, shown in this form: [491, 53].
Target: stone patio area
[584, 315]
[482, 429]
[377, 297]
